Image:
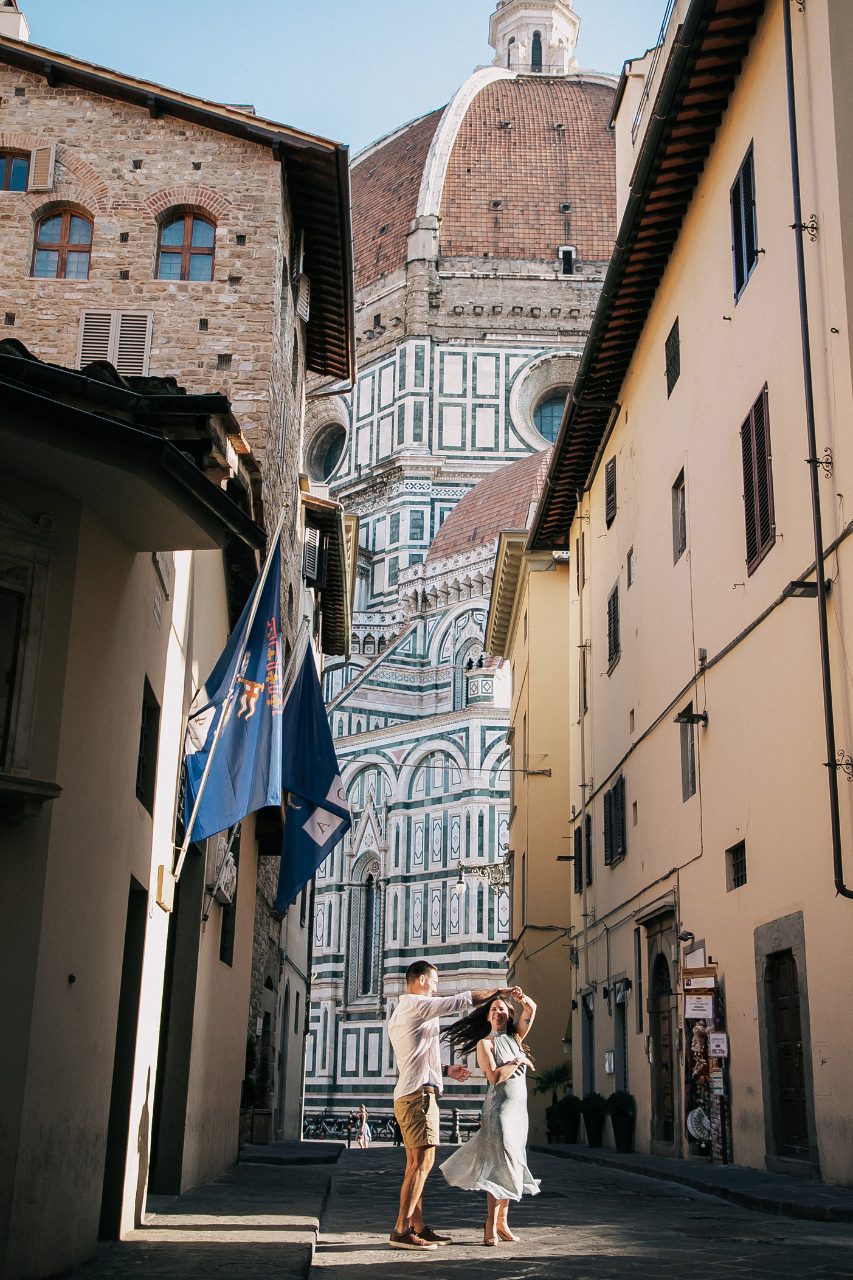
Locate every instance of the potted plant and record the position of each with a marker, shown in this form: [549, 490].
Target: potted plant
[552, 1079]
[622, 1109]
[262, 1113]
[594, 1109]
[569, 1117]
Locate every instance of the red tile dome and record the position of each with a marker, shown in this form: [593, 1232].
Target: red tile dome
[502, 501]
[531, 166]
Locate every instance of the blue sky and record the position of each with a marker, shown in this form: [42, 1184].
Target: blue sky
[351, 70]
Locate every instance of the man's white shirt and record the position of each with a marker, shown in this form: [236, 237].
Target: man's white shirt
[414, 1031]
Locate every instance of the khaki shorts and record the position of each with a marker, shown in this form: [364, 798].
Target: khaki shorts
[417, 1116]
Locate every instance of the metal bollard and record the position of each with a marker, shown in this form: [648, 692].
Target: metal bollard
[454, 1126]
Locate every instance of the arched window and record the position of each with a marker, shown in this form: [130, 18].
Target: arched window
[290, 603]
[185, 248]
[481, 895]
[536, 52]
[63, 246]
[14, 170]
[509, 45]
[326, 452]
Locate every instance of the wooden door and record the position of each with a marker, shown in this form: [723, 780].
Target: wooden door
[662, 1016]
[790, 1123]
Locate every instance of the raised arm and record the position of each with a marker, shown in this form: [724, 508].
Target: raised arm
[528, 1011]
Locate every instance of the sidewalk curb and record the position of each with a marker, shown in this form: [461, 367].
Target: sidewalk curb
[745, 1199]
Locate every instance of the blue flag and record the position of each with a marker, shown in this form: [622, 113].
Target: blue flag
[244, 694]
[317, 814]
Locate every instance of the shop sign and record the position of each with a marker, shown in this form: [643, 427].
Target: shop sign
[699, 1007]
[702, 979]
[718, 1045]
[716, 1078]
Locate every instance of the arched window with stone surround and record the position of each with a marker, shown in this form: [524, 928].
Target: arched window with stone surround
[509, 45]
[62, 246]
[536, 52]
[185, 247]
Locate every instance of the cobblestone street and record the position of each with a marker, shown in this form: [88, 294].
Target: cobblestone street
[588, 1223]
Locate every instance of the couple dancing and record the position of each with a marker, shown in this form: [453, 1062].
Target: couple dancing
[494, 1160]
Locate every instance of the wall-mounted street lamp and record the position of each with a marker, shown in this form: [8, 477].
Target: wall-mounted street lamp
[494, 873]
[692, 717]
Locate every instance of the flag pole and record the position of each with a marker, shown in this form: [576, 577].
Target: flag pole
[182, 853]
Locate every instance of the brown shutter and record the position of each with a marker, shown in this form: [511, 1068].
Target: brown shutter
[618, 814]
[608, 828]
[610, 492]
[587, 832]
[578, 860]
[42, 164]
[757, 482]
[613, 626]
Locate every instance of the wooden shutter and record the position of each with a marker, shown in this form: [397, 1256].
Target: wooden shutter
[618, 818]
[757, 482]
[132, 342]
[42, 165]
[587, 834]
[311, 553]
[303, 298]
[610, 492]
[608, 828]
[95, 337]
[613, 626]
[578, 862]
[121, 337]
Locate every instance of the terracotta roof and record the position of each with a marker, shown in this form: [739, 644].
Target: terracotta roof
[503, 500]
[712, 43]
[385, 187]
[532, 167]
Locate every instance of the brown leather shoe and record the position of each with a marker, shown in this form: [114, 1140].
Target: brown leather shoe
[433, 1237]
[408, 1240]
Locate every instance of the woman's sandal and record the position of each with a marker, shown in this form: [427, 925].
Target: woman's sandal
[507, 1234]
[486, 1240]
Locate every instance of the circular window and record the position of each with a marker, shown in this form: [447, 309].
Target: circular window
[327, 451]
[548, 414]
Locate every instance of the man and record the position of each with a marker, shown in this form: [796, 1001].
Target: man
[414, 1033]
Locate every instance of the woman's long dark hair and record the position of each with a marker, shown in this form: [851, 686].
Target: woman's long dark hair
[465, 1034]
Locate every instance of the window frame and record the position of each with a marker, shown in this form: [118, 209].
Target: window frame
[679, 517]
[63, 246]
[741, 268]
[7, 158]
[688, 755]
[187, 249]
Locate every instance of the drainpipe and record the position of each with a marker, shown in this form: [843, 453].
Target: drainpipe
[829, 719]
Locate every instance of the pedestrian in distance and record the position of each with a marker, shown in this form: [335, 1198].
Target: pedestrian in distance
[414, 1035]
[364, 1134]
[494, 1160]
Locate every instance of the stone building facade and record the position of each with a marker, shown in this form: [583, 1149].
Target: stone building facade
[481, 234]
[156, 254]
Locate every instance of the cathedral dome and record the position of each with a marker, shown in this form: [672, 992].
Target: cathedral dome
[514, 167]
[504, 500]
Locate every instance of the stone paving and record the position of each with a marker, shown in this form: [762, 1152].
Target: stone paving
[589, 1223]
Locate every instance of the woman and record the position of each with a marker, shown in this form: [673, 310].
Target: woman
[364, 1134]
[495, 1160]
